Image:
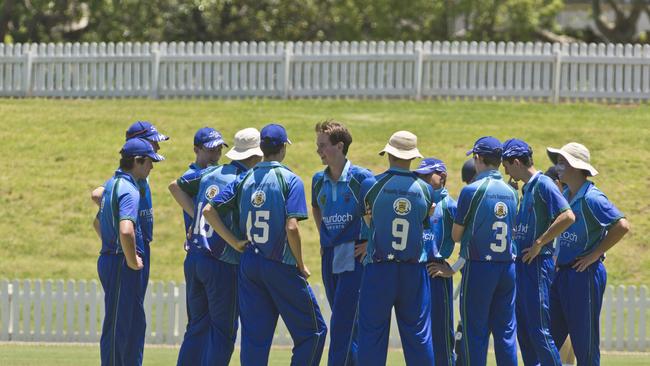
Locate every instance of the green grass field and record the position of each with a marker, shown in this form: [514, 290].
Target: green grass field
[55, 151]
[82, 355]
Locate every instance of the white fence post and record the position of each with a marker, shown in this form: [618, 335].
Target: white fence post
[27, 76]
[557, 74]
[155, 73]
[417, 80]
[286, 69]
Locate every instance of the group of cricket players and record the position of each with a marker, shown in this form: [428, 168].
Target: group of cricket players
[531, 251]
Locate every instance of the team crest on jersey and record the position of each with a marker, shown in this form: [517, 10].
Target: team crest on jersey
[212, 191]
[258, 198]
[500, 210]
[347, 196]
[402, 206]
[322, 199]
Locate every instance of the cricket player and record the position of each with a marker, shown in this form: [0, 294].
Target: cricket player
[485, 218]
[268, 201]
[208, 145]
[397, 211]
[147, 131]
[121, 261]
[438, 245]
[210, 283]
[543, 214]
[577, 291]
[335, 204]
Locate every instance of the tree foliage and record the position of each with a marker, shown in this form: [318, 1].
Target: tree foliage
[237, 20]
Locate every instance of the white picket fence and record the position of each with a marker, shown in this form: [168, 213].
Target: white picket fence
[72, 311]
[544, 71]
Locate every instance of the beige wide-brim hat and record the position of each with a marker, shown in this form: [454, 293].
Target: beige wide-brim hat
[247, 144]
[577, 155]
[402, 145]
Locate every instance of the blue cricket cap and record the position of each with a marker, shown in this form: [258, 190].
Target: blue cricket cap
[274, 135]
[515, 148]
[140, 147]
[486, 145]
[145, 130]
[208, 137]
[431, 165]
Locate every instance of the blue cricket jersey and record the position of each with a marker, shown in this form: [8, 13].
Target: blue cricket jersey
[145, 210]
[339, 204]
[487, 208]
[399, 203]
[120, 201]
[264, 199]
[438, 242]
[540, 204]
[201, 236]
[595, 214]
[189, 182]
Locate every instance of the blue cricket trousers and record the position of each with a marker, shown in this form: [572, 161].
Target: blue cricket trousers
[139, 325]
[342, 290]
[212, 311]
[533, 312]
[268, 288]
[122, 288]
[442, 320]
[576, 300]
[404, 286]
[487, 305]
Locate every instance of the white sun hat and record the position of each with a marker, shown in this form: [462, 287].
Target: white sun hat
[247, 144]
[577, 155]
[402, 145]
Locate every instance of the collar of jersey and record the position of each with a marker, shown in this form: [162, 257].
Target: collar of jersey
[122, 174]
[528, 186]
[345, 176]
[239, 165]
[492, 173]
[581, 192]
[194, 166]
[399, 171]
[268, 164]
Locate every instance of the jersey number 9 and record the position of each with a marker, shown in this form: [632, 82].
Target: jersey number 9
[400, 232]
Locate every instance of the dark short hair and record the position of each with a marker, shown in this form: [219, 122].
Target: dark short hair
[269, 149]
[526, 160]
[337, 132]
[491, 160]
[128, 162]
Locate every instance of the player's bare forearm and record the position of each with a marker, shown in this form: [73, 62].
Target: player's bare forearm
[614, 235]
[96, 195]
[457, 232]
[295, 244]
[127, 239]
[183, 199]
[318, 216]
[97, 227]
[212, 217]
[559, 225]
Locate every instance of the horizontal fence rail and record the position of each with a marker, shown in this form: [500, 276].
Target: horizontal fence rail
[72, 311]
[546, 71]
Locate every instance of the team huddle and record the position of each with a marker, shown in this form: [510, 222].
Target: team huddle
[531, 260]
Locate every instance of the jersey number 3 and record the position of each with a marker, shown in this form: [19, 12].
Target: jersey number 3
[501, 231]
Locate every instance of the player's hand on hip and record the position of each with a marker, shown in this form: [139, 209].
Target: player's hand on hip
[240, 245]
[304, 271]
[138, 265]
[440, 270]
[360, 250]
[531, 253]
[583, 263]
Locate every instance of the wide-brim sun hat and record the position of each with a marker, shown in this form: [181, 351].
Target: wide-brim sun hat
[402, 145]
[576, 154]
[247, 144]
